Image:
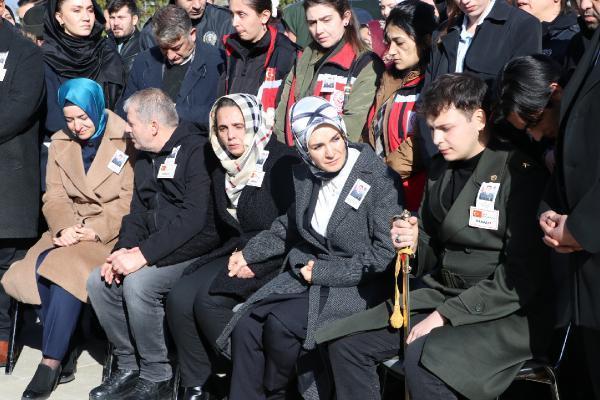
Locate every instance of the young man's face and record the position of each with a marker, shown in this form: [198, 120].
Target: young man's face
[457, 135]
[122, 22]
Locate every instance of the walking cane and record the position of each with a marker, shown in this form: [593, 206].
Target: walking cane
[402, 318]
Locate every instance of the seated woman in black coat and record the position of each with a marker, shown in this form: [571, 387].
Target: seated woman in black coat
[252, 187]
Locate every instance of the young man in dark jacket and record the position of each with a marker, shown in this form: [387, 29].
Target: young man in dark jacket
[124, 34]
[170, 225]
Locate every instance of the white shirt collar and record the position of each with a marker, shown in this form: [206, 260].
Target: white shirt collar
[463, 32]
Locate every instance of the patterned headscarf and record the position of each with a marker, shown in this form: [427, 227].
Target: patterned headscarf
[305, 116]
[239, 170]
[87, 95]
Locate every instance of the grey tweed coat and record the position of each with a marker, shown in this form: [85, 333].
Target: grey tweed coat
[352, 263]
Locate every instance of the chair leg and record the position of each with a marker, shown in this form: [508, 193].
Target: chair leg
[13, 353]
[176, 383]
[108, 362]
[553, 383]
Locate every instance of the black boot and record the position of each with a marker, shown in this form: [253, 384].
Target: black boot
[42, 384]
[148, 390]
[120, 382]
[192, 393]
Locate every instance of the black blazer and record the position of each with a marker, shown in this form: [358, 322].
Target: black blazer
[506, 33]
[21, 97]
[575, 185]
[257, 209]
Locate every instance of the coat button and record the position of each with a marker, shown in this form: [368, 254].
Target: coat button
[467, 250]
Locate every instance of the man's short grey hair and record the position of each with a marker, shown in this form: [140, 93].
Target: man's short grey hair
[153, 105]
[170, 23]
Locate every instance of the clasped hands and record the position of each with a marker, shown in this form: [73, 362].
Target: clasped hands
[73, 235]
[122, 263]
[238, 267]
[556, 233]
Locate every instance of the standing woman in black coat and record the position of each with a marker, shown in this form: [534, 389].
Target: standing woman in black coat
[258, 57]
[252, 187]
[75, 48]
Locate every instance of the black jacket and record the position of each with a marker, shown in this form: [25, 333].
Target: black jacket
[21, 98]
[210, 29]
[577, 48]
[557, 35]
[575, 185]
[198, 90]
[256, 211]
[247, 68]
[506, 33]
[130, 48]
[172, 219]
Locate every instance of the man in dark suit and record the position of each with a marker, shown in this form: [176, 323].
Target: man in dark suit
[572, 203]
[184, 68]
[21, 94]
[124, 34]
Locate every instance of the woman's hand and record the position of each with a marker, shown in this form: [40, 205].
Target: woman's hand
[236, 263]
[405, 233]
[306, 271]
[87, 234]
[67, 236]
[433, 320]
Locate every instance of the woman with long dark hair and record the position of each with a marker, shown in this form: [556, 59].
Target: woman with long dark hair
[75, 48]
[258, 57]
[392, 125]
[336, 66]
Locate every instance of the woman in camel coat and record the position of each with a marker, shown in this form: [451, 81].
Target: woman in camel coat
[89, 185]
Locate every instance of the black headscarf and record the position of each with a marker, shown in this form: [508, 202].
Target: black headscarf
[76, 57]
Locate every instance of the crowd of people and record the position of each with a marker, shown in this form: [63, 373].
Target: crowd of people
[223, 186]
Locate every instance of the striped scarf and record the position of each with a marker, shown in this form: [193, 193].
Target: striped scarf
[238, 170]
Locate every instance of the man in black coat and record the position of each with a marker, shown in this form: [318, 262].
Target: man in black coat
[21, 95]
[123, 34]
[572, 203]
[185, 69]
[171, 224]
[211, 23]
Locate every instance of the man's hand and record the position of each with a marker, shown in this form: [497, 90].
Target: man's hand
[236, 263]
[433, 320]
[306, 271]
[67, 237]
[128, 262]
[109, 276]
[405, 233]
[87, 234]
[556, 233]
[245, 273]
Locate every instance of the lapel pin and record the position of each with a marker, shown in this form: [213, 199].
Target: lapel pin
[494, 178]
[526, 165]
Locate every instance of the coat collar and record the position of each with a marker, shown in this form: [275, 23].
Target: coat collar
[304, 182]
[68, 156]
[583, 79]
[492, 163]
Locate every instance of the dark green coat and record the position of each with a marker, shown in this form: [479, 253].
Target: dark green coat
[492, 286]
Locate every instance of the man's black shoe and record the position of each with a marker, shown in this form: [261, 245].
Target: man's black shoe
[120, 382]
[148, 390]
[192, 393]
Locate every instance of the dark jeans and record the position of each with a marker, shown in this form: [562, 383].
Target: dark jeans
[354, 360]
[11, 250]
[59, 313]
[196, 319]
[132, 316]
[265, 346]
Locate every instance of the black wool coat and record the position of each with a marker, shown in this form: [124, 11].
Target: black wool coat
[256, 211]
[21, 97]
[575, 186]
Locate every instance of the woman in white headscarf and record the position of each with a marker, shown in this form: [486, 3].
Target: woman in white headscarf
[335, 241]
[251, 187]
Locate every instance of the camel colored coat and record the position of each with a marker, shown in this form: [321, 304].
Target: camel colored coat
[98, 200]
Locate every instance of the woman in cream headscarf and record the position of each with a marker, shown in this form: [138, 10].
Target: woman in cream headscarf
[252, 187]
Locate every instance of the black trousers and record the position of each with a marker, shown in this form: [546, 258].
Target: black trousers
[591, 347]
[11, 250]
[196, 319]
[354, 360]
[265, 347]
